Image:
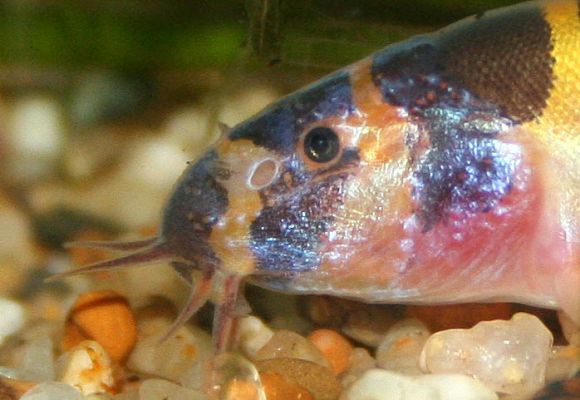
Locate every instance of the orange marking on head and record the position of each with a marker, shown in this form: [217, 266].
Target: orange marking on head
[366, 96]
[230, 237]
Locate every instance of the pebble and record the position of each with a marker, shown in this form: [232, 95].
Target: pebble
[278, 388]
[190, 129]
[180, 358]
[253, 334]
[360, 362]
[244, 104]
[53, 391]
[508, 356]
[401, 347]
[157, 389]
[103, 316]
[87, 367]
[368, 326]
[35, 359]
[288, 344]
[18, 250]
[13, 389]
[35, 137]
[13, 317]
[319, 381]
[378, 384]
[235, 378]
[335, 347]
[564, 363]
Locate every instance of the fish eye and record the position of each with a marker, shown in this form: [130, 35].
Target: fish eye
[321, 144]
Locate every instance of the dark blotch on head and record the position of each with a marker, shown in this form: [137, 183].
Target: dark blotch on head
[286, 234]
[194, 207]
[279, 126]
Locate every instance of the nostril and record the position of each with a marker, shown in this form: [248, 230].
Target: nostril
[263, 173]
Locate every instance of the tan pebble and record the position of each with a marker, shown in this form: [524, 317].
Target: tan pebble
[88, 368]
[360, 361]
[253, 334]
[159, 389]
[368, 324]
[13, 389]
[319, 381]
[103, 316]
[179, 358]
[278, 388]
[288, 344]
[335, 347]
[563, 364]
[401, 347]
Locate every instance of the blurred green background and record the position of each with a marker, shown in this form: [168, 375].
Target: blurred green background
[161, 51]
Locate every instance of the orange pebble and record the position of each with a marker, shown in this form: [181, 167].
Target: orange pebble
[335, 348]
[278, 388]
[106, 317]
[242, 390]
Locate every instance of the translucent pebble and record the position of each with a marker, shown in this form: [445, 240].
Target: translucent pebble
[236, 378]
[52, 391]
[287, 344]
[378, 384]
[156, 389]
[36, 360]
[253, 334]
[368, 323]
[99, 396]
[508, 356]
[360, 362]
[12, 318]
[180, 358]
[401, 347]
[86, 367]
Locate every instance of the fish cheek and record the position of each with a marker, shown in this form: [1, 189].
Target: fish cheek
[286, 237]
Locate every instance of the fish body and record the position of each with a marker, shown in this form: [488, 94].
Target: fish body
[443, 169]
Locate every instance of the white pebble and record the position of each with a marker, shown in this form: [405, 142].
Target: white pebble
[243, 105]
[508, 356]
[156, 389]
[253, 335]
[12, 320]
[87, 367]
[17, 244]
[180, 358]
[35, 136]
[378, 384]
[36, 360]
[52, 391]
[189, 129]
[401, 347]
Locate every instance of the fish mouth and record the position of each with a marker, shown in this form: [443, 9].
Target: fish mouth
[196, 205]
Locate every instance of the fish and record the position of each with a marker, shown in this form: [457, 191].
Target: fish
[442, 169]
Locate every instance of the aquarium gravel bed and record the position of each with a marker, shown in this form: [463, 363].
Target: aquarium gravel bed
[98, 337]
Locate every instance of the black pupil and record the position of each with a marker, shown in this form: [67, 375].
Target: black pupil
[321, 144]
